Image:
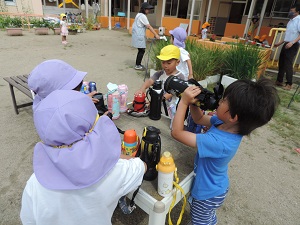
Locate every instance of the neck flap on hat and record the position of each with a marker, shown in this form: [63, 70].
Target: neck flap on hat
[180, 44]
[82, 164]
[75, 151]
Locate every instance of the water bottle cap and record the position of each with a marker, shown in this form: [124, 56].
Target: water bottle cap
[167, 154]
[123, 87]
[166, 163]
[130, 136]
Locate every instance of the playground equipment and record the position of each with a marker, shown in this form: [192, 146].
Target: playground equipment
[68, 2]
[279, 36]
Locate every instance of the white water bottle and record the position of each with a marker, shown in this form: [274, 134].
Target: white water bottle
[166, 168]
[123, 91]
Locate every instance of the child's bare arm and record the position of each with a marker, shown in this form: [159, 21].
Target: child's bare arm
[167, 96]
[178, 132]
[199, 117]
[189, 64]
[145, 86]
[152, 30]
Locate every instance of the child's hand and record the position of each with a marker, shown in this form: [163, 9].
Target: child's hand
[189, 94]
[91, 96]
[139, 92]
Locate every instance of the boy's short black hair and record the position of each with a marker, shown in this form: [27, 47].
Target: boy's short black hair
[296, 7]
[254, 103]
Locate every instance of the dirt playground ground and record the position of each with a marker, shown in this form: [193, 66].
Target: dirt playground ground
[264, 175]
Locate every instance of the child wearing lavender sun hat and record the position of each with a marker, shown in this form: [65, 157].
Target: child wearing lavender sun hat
[178, 37]
[52, 75]
[79, 172]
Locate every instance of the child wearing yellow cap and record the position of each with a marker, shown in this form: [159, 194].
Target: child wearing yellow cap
[170, 58]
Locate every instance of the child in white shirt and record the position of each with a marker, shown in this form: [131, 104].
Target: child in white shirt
[205, 28]
[178, 37]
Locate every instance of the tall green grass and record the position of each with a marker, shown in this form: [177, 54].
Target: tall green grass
[205, 61]
[155, 51]
[239, 61]
[242, 61]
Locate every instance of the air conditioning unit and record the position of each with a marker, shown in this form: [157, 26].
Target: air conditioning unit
[161, 31]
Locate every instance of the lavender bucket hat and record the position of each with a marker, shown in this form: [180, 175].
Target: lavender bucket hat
[77, 149]
[52, 75]
[179, 35]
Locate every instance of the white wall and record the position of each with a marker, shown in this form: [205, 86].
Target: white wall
[25, 7]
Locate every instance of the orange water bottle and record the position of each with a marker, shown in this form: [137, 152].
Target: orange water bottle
[166, 168]
[130, 143]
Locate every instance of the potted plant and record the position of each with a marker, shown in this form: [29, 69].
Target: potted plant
[206, 61]
[41, 27]
[73, 29]
[55, 27]
[242, 61]
[89, 24]
[13, 26]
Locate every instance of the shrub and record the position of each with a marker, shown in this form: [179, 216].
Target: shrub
[4, 21]
[14, 22]
[73, 27]
[37, 22]
[89, 23]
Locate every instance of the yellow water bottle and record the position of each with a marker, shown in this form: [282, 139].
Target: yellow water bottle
[165, 168]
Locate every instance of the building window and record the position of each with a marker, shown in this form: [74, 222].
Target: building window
[276, 8]
[197, 8]
[10, 2]
[281, 8]
[171, 7]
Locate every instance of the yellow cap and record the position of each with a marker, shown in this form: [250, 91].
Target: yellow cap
[169, 52]
[166, 163]
[62, 15]
[206, 24]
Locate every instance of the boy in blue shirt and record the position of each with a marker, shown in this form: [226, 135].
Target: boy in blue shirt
[245, 106]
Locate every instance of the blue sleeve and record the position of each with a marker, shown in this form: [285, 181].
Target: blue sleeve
[214, 120]
[208, 144]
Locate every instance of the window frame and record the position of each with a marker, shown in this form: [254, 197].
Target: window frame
[271, 12]
[10, 2]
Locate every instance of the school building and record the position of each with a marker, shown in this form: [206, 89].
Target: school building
[227, 17]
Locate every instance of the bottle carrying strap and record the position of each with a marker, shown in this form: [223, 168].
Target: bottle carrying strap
[175, 183]
[165, 106]
[143, 104]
